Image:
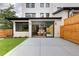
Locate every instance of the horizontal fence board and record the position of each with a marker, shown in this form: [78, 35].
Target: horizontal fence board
[70, 32]
[5, 32]
[72, 20]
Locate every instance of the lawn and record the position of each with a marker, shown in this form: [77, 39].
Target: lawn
[7, 44]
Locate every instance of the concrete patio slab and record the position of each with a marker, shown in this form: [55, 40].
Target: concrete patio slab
[45, 47]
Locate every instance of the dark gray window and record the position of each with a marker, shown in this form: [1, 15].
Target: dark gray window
[41, 14]
[47, 5]
[42, 5]
[21, 26]
[47, 14]
[27, 5]
[59, 8]
[30, 5]
[30, 15]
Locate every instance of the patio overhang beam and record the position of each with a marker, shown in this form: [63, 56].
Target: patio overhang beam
[34, 18]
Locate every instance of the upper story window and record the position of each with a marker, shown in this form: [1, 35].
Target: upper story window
[27, 5]
[30, 15]
[58, 7]
[47, 14]
[42, 5]
[30, 5]
[47, 5]
[41, 14]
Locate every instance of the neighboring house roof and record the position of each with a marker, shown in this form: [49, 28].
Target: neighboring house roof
[66, 8]
[33, 18]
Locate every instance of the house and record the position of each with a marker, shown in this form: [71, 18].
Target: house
[38, 20]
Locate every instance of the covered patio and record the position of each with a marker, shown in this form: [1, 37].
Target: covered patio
[42, 28]
[36, 27]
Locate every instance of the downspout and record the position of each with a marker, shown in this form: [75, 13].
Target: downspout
[71, 10]
[69, 13]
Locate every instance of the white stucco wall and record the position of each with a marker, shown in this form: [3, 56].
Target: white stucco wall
[37, 10]
[21, 8]
[57, 25]
[30, 29]
[63, 14]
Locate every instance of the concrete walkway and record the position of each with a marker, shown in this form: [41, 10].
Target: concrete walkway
[45, 47]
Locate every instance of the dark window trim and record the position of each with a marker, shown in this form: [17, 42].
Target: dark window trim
[48, 14]
[21, 30]
[30, 5]
[41, 14]
[41, 5]
[47, 6]
[31, 14]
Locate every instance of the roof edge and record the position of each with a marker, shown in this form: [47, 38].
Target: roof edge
[66, 8]
[22, 18]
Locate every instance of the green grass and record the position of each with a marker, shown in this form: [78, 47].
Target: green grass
[9, 43]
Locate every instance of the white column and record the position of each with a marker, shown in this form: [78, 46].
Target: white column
[14, 29]
[30, 28]
[57, 28]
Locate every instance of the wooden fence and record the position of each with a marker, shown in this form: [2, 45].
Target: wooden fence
[70, 29]
[5, 32]
[70, 32]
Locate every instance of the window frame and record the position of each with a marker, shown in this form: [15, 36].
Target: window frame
[32, 15]
[48, 14]
[30, 5]
[27, 5]
[47, 5]
[41, 14]
[41, 5]
[21, 25]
